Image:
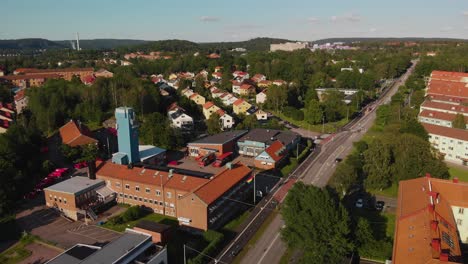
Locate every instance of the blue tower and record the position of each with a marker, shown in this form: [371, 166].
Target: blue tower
[127, 133]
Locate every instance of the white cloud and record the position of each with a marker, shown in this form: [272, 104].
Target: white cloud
[349, 17]
[312, 20]
[209, 19]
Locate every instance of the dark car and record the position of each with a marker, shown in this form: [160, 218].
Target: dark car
[379, 205]
[235, 251]
[338, 160]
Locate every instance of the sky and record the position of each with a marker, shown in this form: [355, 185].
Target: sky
[222, 20]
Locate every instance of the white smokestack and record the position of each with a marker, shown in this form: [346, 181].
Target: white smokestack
[73, 44]
[78, 41]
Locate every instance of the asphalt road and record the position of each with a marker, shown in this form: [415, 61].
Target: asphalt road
[317, 170]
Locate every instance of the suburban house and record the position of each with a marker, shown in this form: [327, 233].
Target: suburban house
[240, 106]
[74, 134]
[219, 143]
[213, 56]
[279, 82]
[430, 221]
[228, 99]
[246, 89]
[215, 92]
[134, 246]
[271, 157]
[261, 97]
[209, 108]
[257, 140]
[218, 68]
[258, 78]
[88, 79]
[226, 120]
[236, 87]
[198, 99]
[217, 75]
[178, 117]
[261, 115]
[240, 75]
[187, 92]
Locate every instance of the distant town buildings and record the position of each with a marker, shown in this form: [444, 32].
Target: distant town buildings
[333, 46]
[288, 46]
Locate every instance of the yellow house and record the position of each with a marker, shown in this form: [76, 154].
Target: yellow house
[246, 89]
[209, 108]
[198, 99]
[241, 106]
[173, 76]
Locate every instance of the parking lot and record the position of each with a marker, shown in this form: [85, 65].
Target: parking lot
[50, 226]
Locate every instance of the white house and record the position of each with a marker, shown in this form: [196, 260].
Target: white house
[187, 92]
[226, 120]
[236, 87]
[261, 115]
[178, 117]
[261, 97]
[241, 75]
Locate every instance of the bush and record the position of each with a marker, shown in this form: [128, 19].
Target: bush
[288, 111]
[297, 115]
[116, 220]
[214, 238]
[133, 213]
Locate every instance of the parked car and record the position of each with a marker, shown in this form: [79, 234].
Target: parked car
[207, 159]
[359, 203]
[379, 205]
[80, 165]
[338, 160]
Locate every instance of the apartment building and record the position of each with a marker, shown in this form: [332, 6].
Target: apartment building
[66, 73]
[431, 220]
[288, 46]
[30, 80]
[446, 97]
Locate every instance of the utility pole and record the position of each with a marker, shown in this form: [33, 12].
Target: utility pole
[185, 259]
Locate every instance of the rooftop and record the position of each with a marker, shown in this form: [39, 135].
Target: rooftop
[425, 226]
[440, 115]
[152, 226]
[445, 107]
[76, 185]
[221, 138]
[268, 136]
[449, 132]
[75, 134]
[148, 151]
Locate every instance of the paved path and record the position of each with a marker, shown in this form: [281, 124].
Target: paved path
[318, 170]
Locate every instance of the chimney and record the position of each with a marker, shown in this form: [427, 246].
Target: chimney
[435, 244]
[171, 171]
[430, 207]
[229, 165]
[92, 170]
[434, 224]
[444, 257]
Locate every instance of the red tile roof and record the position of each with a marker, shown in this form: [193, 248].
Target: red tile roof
[208, 105]
[448, 88]
[222, 182]
[221, 112]
[276, 150]
[33, 70]
[424, 226]
[440, 115]
[446, 99]
[31, 76]
[194, 95]
[239, 101]
[446, 75]
[246, 87]
[445, 107]
[456, 133]
[147, 176]
[73, 135]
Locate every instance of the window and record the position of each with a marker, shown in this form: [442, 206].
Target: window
[117, 184]
[171, 205]
[461, 210]
[158, 193]
[147, 190]
[65, 200]
[50, 195]
[130, 197]
[121, 194]
[60, 199]
[137, 188]
[459, 222]
[55, 198]
[161, 203]
[141, 199]
[125, 196]
[127, 186]
[179, 196]
[150, 201]
[145, 200]
[169, 195]
[135, 198]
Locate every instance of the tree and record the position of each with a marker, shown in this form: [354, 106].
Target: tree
[313, 112]
[316, 223]
[213, 124]
[277, 96]
[368, 245]
[248, 122]
[344, 177]
[412, 126]
[459, 122]
[384, 115]
[378, 165]
[334, 107]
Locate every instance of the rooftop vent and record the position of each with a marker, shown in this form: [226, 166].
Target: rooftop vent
[142, 171]
[171, 171]
[184, 178]
[229, 165]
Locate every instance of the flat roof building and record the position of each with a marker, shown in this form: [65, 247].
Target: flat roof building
[132, 247]
[219, 143]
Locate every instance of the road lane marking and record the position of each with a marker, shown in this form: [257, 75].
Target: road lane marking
[268, 248]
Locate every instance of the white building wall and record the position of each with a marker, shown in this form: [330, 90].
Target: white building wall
[435, 121]
[461, 218]
[454, 149]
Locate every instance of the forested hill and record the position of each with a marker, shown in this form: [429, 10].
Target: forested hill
[102, 43]
[256, 44]
[28, 44]
[350, 40]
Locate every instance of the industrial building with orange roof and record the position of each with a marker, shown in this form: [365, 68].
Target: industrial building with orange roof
[431, 220]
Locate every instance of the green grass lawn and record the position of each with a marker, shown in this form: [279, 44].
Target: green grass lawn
[390, 224]
[232, 226]
[18, 252]
[150, 217]
[328, 128]
[459, 172]
[392, 191]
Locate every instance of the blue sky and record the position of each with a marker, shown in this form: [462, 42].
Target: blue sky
[222, 20]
